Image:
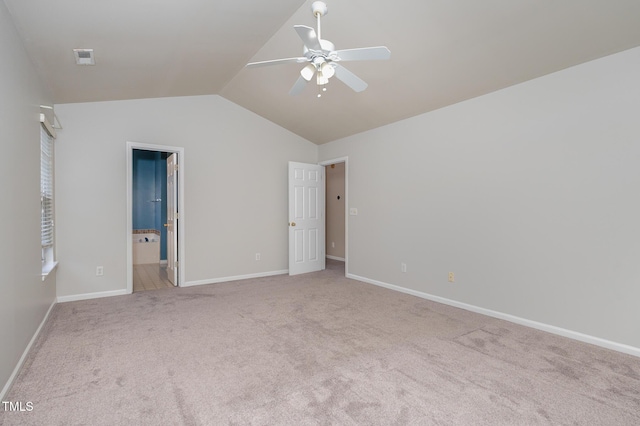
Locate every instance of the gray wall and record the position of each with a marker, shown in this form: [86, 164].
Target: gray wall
[530, 195]
[235, 174]
[24, 297]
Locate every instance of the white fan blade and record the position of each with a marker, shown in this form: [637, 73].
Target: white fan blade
[298, 87]
[309, 37]
[364, 54]
[349, 78]
[276, 62]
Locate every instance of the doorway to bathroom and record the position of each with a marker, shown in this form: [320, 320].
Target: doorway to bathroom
[154, 222]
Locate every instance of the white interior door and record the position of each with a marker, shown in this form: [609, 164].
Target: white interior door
[172, 218]
[306, 218]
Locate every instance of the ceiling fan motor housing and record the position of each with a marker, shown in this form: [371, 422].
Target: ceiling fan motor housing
[327, 48]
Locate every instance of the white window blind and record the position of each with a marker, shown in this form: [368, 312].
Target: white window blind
[46, 190]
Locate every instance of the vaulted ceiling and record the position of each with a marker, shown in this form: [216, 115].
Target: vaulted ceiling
[442, 51]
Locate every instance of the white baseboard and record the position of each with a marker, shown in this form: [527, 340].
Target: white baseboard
[87, 296]
[234, 278]
[341, 259]
[6, 387]
[620, 347]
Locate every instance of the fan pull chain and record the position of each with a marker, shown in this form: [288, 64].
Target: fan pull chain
[320, 90]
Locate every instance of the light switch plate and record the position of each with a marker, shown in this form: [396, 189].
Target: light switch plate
[353, 211]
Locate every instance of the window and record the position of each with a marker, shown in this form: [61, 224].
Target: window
[47, 134]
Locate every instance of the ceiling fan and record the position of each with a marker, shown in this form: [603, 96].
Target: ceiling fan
[323, 60]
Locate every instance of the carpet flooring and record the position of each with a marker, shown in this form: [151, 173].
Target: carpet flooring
[316, 349]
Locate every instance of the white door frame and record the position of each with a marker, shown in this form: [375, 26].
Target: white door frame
[344, 160]
[181, 234]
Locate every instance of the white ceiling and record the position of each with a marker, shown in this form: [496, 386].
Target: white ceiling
[442, 51]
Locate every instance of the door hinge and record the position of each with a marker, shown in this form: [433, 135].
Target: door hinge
[176, 167]
[176, 216]
[176, 264]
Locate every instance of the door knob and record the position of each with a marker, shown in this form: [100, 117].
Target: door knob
[292, 224]
[166, 224]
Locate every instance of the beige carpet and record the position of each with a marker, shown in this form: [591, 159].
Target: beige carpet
[312, 350]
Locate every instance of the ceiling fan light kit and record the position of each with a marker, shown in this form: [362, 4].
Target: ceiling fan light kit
[323, 59]
[308, 72]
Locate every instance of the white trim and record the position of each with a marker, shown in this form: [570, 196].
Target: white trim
[48, 268]
[344, 160]
[235, 278]
[181, 222]
[96, 295]
[7, 386]
[620, 347]
[341, 259]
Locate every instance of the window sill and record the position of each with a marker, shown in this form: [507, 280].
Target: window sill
[48, 268]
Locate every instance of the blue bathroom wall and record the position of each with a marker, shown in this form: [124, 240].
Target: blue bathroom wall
[144, 189]
[150, 193]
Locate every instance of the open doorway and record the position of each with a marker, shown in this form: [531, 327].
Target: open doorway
[336, 213]
[154, 198]
[149, 220]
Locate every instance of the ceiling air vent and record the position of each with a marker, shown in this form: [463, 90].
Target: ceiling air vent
[84, 56]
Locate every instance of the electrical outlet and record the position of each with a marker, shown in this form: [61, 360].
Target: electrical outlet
[99, 271]
[452, 277]
[403, 267]
[257, 256]
[353, 211]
